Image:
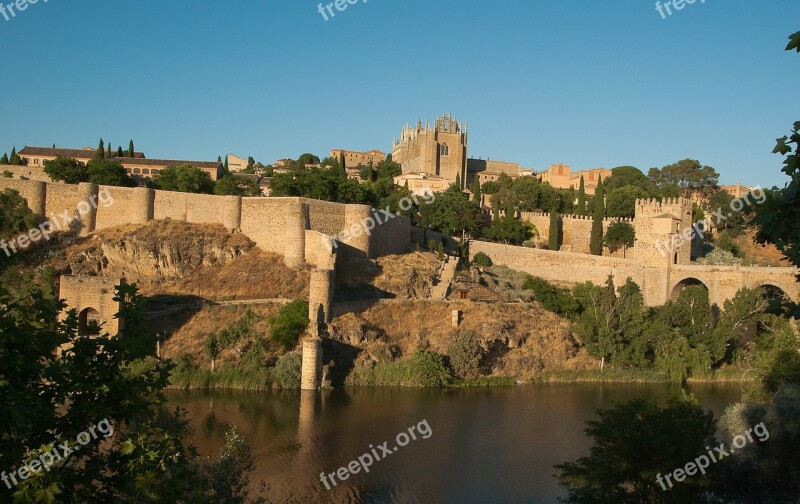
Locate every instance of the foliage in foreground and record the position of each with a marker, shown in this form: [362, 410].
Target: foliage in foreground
[52, 398]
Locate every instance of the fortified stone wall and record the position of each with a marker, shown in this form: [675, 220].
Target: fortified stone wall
[569, 268]
[326, 217]
[576, 229]
[658, 284]
[276, 224]
[130, 206]
[199, 208]
[24, 172]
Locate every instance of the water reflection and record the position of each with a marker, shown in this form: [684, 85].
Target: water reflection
[488, 445]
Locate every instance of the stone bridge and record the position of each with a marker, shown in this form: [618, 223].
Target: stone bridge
[723, 282]
[659, 284]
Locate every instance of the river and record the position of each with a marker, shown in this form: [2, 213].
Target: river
[495, 445]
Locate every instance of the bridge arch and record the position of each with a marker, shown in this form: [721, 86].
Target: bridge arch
[777, 290]
[89, 322]
[689, 281]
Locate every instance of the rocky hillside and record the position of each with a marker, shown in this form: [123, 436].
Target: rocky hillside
[180, 259]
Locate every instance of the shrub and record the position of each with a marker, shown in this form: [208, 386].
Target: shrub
[289, 324]
[465, 354]
[559, 301]
[431, 369]
[482, 259]
[287, 371]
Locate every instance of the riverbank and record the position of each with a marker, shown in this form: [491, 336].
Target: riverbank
[265, 379]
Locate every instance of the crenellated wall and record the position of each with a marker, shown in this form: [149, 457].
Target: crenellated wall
[576, 229]
[277, 225]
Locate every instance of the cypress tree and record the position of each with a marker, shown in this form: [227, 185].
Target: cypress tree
[101, 150]
[596, 240]
[553, 245]
[15, 159]
[130, 149]
[458, 181]
[476, 190]
[582, 198]
[226, 162]
[342, 164]
[4, 159]
[108, 153]
[219, 159]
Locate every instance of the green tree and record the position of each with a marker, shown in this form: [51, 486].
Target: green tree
[596, 239]
[388, 169]
[476, 190]
[131, 150]
[689, 175]
[231, 185]
[554, 231]
[452, 213]
[779, 214]
[289, 324]
[582, 198]
[623, 176]
[119, 152]
[15, 159]
[4, 159]
[212, 349]
[139, 454]
[108, 172]
[66, 170]
[508, 230]
[635, 445]
[622, 201]
[620, 235]
[465, 354]
[100, 153]
[184, 178]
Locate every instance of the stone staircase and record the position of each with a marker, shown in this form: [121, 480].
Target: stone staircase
[446, 273]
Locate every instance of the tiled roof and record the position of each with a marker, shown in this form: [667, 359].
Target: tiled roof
[167, 162]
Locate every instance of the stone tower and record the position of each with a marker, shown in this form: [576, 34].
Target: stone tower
[664, 232]
[439, 150]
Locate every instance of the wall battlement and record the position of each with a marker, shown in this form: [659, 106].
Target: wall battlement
[275, 224]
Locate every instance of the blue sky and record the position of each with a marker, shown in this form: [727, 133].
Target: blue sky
[582, 82]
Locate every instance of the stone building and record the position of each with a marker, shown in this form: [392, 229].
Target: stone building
[562, 177]
[439, 150]
[36, 156]
[355, 159]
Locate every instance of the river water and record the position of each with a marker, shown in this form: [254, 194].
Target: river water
[495, 445]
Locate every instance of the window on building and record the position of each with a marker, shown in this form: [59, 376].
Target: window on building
[137, 171]
[145, 171]
[128, 170]
[444, 150]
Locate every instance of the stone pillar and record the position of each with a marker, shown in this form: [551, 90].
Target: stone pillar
[85, 210]
[455, 318]
[311, 364]
[297, 216]
[319, 298]
[232, 213]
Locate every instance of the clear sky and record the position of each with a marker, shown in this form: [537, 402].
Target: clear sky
[583, 82]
